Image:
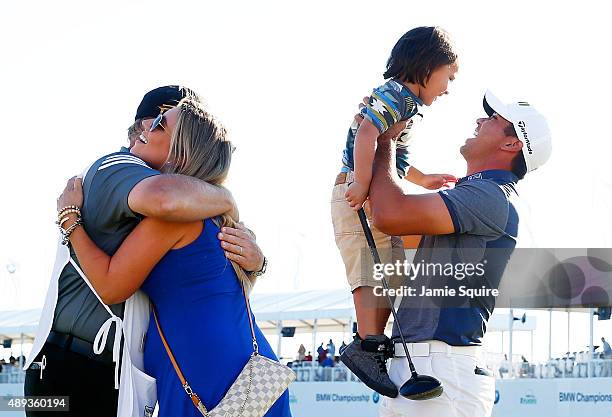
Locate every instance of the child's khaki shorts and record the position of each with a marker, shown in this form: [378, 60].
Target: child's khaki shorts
[351, 241]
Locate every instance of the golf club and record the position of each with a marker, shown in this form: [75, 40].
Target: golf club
[418, 387]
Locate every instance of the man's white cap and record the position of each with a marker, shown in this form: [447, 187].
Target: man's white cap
[530, 126]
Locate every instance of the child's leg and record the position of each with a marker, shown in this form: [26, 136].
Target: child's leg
[372, 312]
[375, 310]
[367, 354]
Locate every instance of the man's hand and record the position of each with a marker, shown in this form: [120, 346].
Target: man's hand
[72, 194]
[240, 246]
[356, 195]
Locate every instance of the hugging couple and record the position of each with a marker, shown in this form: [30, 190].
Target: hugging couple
[135, 230]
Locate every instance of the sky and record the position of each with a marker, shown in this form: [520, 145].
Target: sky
[286, 79]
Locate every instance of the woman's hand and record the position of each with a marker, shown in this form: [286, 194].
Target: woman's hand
[72, 194]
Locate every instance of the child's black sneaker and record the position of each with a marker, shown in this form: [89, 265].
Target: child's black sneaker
[367, 359]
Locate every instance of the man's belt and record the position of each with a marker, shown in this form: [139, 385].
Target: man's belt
[345, 177]
[79, 346]
[434, 346]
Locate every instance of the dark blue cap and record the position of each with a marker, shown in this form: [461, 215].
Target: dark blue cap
[162, 99]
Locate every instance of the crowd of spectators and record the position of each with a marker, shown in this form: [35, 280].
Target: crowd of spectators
[326, 355]
[11, 366]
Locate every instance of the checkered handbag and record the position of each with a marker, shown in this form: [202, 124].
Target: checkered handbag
[260, 383]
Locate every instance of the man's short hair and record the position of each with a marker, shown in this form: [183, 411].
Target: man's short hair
[519, 166]
[418, 53]
[135, 129]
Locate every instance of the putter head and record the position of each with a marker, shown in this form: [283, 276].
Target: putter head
[421, 387]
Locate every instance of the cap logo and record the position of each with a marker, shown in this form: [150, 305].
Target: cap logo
[523, 103]
[165, 107]
[522, 126]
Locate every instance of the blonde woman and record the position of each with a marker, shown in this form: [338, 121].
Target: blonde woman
[183, 269]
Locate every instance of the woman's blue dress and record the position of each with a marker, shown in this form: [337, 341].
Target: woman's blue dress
[202, 312]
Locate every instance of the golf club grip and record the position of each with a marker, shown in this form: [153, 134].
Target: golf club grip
[368, 235]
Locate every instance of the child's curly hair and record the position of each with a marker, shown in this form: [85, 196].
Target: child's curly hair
[418, 53]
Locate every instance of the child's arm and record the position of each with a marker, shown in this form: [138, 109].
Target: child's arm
[429, 181]
[363, 155]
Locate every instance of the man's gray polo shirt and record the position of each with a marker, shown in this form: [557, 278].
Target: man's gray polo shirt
[108, 220]
[486, 227]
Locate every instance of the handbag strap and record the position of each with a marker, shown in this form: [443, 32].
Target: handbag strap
[194, 397]
[248, 306]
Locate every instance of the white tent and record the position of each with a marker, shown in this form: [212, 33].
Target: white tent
[330, 310]
[307, 311]
[18, 323]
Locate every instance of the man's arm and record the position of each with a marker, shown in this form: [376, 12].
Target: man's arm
[180, 198]
[396, 213]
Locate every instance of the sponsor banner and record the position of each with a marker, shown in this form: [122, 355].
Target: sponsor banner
[553, 397]
[578, 397]
[311, 399]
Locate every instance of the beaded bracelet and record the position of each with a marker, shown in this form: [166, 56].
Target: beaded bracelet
[66, 211]
[62, 221]
[70, 207]
[66, 233]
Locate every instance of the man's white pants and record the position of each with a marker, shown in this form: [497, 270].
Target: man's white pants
[466, 394]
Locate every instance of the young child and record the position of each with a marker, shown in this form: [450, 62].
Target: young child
[419, 69]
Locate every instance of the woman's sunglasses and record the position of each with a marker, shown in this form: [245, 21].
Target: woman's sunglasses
[157, 122]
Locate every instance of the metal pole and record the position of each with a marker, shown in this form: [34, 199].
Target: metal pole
[568, 330]
[314, 341]
[21, 355]
[550, 334]
[510, 326]
[279, 327]
[590, 357]
[531, 353]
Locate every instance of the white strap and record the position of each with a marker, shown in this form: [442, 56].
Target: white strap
[100, 342]
[102, 335]
[90, 286]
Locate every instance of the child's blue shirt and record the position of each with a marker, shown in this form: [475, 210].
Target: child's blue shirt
[390, 103]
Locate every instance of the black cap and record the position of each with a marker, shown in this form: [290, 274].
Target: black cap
[488, 109]
[162, 99]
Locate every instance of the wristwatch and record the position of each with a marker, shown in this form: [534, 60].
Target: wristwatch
[262, 271]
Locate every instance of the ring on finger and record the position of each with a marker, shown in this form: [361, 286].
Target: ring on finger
[240, 250]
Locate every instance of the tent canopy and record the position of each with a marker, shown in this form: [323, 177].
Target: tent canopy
[15, 323]
[332, 309]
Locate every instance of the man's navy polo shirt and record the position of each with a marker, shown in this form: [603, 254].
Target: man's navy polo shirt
[486, 227]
